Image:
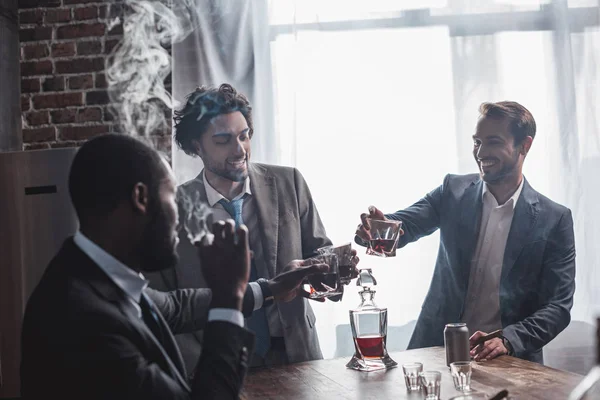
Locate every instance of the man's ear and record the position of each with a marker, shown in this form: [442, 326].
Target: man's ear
[197, 147]
[139, 198]
[526, 145]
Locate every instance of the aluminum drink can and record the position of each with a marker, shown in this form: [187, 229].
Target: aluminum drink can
[456, 342]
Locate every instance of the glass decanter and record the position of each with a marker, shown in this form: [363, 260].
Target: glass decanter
[369, 329]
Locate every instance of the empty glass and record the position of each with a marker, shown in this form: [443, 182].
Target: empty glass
[431, 382]
[411, 376]
[461, 373]
[325, 284]
[384, 237]
[344, 255]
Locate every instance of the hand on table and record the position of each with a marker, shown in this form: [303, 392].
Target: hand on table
[487, 350]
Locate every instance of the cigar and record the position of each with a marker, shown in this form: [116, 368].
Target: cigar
[487, 337]
[501, 395]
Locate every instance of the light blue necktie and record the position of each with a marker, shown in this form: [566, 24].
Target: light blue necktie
[258, 321]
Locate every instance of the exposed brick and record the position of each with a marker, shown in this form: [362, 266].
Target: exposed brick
[36, 68]
[31, 16]
[37, 118]
[114, 10]
[39, 134]
[116, 30]
[58, 100]
[83, 132]
[108, 115]
[78, 65]
[109, 45]
[103, 11]
[81, 82]
[65, 49]
[60, 15]
[30, 85]
[80, 30]
[35, 51]
[101, 81]
[67, 143]
[38, 3]
[90, 114]
[82, 1]
[33, 34]
[90, 47]
[54, 84]
[36, 146]
[97, 97]
[83, 13]
[63, 116]
[25, 103]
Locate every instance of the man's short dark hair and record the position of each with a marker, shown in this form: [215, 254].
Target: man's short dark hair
[521, 122]
[105, 171]
[201, 106]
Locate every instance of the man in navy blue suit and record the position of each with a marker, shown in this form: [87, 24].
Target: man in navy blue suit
[507, 253]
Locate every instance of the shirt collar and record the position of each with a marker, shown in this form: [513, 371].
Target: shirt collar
[213, 196]
[131, 282]
[512, 200]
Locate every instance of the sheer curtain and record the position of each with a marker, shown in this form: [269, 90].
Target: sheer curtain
[374, 102]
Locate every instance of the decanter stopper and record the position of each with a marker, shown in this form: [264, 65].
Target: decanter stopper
[366, 279]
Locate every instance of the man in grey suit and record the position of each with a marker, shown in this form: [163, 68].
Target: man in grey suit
[274, 202]
[507, 253]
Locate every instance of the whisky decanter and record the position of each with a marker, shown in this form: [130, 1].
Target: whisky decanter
[369, 329]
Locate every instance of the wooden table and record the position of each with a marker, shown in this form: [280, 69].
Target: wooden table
[330, 379]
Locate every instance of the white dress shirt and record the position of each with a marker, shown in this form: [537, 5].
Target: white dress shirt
[133, 283]
[482, 305]
[220, 213]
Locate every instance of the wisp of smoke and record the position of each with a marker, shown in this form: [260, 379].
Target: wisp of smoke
[135, 72]
[137, 67]
[193, 221]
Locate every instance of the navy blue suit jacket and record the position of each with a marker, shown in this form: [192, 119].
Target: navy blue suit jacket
[538, 272]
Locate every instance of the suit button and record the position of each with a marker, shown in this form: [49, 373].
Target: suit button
[244, 355]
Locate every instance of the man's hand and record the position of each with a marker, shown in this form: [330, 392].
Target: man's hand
[487, 350]
[354, 262]
[363, 229]
[226, 264]
[287, 285]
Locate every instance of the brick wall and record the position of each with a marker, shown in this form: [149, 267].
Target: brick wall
[64, 98]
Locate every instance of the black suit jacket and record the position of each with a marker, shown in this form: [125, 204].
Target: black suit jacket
[538, 272]
[83, 339]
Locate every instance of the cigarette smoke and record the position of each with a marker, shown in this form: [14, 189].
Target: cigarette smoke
[136, 71]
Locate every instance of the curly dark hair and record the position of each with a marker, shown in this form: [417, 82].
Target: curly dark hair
[201, 106]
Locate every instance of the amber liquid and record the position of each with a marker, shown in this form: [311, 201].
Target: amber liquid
[370, 346]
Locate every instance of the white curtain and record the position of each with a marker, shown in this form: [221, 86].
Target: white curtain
[375, 101]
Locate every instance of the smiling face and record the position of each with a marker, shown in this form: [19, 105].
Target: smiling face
[225, 146]
[495, 152]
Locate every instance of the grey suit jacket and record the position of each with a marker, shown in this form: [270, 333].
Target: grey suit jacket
[290, 228]
[538, 273]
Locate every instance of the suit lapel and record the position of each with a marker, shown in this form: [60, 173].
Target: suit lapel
[523, 222]
[174, 364]
[470, 220]
[88, 271]
[264, 191]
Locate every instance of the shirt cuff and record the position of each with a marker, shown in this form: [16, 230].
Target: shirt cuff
[227, 315]
[258, 295]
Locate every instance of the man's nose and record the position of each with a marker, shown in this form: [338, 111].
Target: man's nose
[239, 149]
